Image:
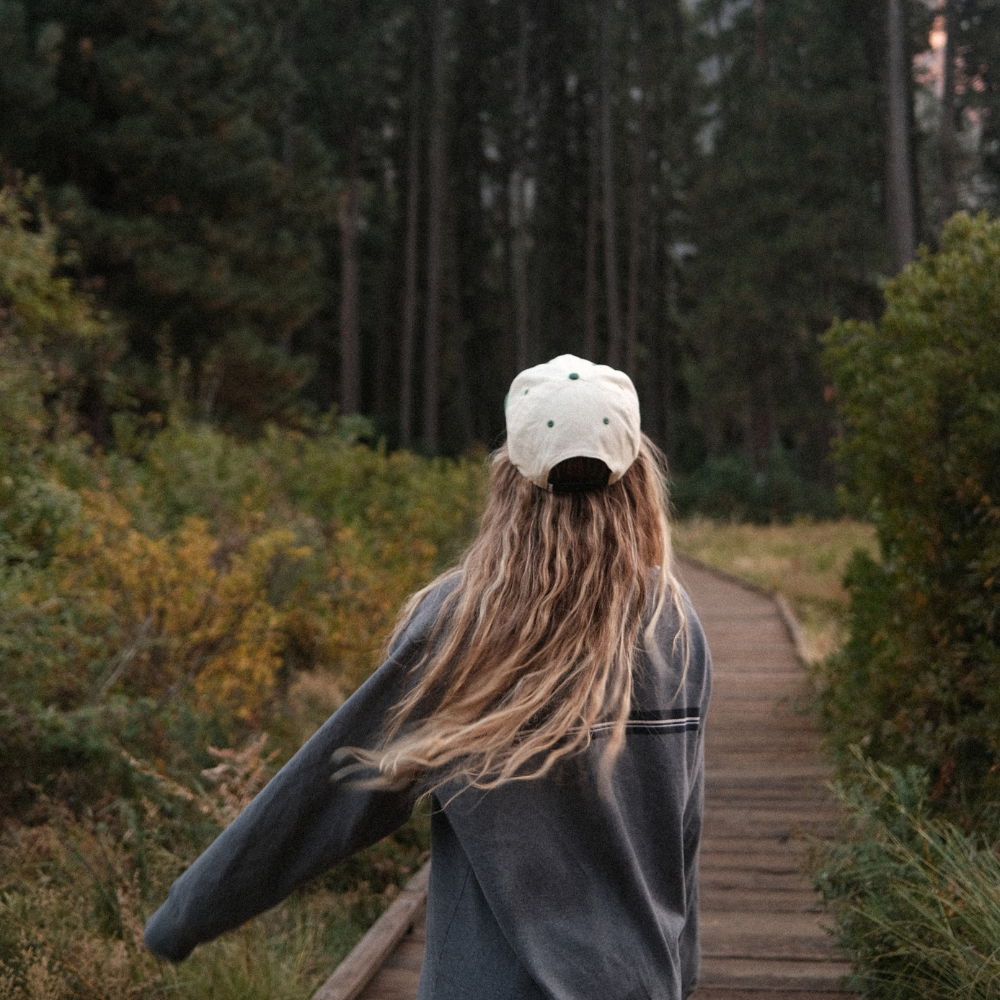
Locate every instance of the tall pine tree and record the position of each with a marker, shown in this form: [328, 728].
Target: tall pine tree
[786, 215]
[160, 145]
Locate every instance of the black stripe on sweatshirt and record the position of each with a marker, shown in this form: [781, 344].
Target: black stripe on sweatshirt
[650, 722]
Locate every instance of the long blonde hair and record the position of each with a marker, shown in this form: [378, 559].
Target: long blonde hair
[538, 639]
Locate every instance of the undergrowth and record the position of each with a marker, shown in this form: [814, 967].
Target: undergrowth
[178, 614]
[915, 898]
[914, 879]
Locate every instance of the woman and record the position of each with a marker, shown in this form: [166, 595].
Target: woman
[550, 693]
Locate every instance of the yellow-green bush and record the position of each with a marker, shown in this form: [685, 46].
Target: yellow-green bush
[211, 619]
[158, 605]
[913, 880]
[920, 395]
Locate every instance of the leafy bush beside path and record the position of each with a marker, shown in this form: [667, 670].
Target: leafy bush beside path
[916, 683]
[176, 617]
[913, 693]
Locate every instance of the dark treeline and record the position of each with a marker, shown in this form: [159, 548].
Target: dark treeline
[392, 206]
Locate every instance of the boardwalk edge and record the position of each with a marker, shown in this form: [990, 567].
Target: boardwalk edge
[354, 973]
[791, 623]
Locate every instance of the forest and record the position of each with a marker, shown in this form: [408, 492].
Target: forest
[390, 207]
[266, 273]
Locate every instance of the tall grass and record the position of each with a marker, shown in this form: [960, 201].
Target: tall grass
[76, 891]
[916, 900]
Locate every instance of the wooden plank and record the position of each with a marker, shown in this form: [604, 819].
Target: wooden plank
[408, 954]
[718, 842]
[370, 953]
[792, 900]
[719, 773]
[399, 977]
[751, 934]
[772, 974]
[750, 946]
[392, 984]
[751, 881]
[770, 862]
[728, 993]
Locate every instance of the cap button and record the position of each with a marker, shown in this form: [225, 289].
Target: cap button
[551, 423]
[606, 420]
[573, 375]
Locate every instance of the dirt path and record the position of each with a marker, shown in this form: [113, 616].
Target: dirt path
[762, 929]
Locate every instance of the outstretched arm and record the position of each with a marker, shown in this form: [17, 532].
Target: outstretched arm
[299, 825]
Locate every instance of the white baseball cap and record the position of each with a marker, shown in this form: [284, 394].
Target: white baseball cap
[571, 408]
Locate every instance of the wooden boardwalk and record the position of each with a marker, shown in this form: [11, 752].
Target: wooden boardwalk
[762, 926]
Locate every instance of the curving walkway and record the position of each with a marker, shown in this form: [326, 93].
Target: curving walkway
[762, 928]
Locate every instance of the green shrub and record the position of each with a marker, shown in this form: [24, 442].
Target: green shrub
[914, 898]
[54, 342]
[188, 592]
[920, 396]
[41, 749]
[730, 489]
[76, 890]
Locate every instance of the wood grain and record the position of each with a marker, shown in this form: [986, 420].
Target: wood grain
[374, 952]
[764, 933]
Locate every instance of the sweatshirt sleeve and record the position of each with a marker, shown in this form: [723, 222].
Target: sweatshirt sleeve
[300, 824]
[690, 943]
[694, 810]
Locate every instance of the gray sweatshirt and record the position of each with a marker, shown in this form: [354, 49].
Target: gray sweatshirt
[539, 889]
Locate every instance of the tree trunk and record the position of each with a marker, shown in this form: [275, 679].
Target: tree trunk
[410, 267]
[761, 49]
[664, 362]
[506, 268]
[899, 180]
[634, 268]
[610, 247]
[288, 112]
[519, 207]
[593, 233]
[763, 427]
[638, 200]
[381, 406]
[350, 346]
[946, 205]
[456, 323]
[436, 158]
